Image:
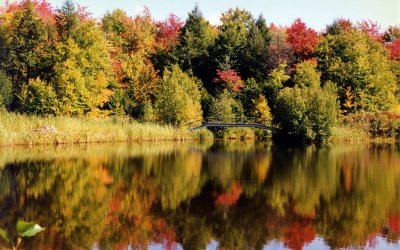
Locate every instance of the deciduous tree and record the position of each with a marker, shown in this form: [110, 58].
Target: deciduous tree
[303, 40]
[359, 66]
[178, 101]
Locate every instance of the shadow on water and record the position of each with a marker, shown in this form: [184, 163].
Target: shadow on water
[238, 195]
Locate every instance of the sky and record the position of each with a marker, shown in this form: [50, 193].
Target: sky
[315, 13]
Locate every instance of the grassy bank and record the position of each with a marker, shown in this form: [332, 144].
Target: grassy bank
[16, 129]
[367, 126]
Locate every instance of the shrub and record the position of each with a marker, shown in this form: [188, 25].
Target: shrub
[307, 114]
[178, 101]
[38, 98]
[261, 110]
[5, 91]
[382, 125]
[222, 106]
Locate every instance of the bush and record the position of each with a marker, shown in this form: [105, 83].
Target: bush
[261, 110]
[5, 91]
[236, 133]
[223, 105]
[203, 134]
[178, 101]
[38, 98]
[382, 125]
[307, 114]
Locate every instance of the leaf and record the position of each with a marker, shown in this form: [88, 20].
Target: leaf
[4, 235]
[28, 229]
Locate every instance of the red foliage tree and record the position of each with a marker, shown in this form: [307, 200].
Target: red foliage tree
[168, 31]
[164, 234]
[231, 78]
[345, 24]
[339, 25]
[394, 222]
[43, 9]
[394, 48]
[303, 40]
[298, 234]
[229, 197]
[371, 29]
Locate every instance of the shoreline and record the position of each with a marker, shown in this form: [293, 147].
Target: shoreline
[28, 130]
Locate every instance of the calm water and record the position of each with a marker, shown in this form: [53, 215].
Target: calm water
[204, 196]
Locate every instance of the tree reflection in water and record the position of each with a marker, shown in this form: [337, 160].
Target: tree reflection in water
[241, 195]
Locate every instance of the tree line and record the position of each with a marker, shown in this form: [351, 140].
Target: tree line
[65, 62]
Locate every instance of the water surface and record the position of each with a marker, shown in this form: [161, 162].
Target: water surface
[239, 195]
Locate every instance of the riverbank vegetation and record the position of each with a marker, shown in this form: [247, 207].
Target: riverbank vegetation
[16, 129]
[65, 63]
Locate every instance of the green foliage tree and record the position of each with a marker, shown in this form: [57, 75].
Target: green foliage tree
[307, 114]
[39, 98]
[307, 111]
[360, 68]
[67, 19]
[275, 82]
[83, 71]
[192, 51]
[250, 92]
[222, 106]
[254, 61]
[231, 40]
[178, 101]
[306, 75]
[25, 45]
[115, 25]
[5, 91]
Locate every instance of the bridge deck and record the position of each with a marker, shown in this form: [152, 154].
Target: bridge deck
[245, 125]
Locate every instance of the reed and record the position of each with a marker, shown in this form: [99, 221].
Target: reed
[19, 129]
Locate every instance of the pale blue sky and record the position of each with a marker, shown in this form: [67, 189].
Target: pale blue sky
[316, 13]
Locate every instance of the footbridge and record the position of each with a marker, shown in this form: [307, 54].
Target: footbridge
[243, 122]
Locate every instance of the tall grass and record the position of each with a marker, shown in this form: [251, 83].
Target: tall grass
[346, 133]
[17, 129]
[368, 126]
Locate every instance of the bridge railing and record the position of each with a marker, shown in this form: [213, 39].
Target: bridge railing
[244, 120]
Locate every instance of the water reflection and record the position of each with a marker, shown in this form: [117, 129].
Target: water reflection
[186, 195]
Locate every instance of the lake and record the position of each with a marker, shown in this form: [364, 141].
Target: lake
[211, 195]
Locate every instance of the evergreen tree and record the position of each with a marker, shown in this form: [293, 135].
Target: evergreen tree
[254, 61]
[192, 51]
[26, 46]
[67, 19]
[231, 40]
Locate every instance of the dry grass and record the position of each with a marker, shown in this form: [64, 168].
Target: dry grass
[17, 129]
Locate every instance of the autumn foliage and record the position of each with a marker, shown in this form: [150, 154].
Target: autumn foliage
[394, 48]
[64, 61]
[372, 29]
[230, 197]
[299, 234]
[231, 78]
[303, 40]
[168, 31]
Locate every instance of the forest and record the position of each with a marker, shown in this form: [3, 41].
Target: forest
[63, 62]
